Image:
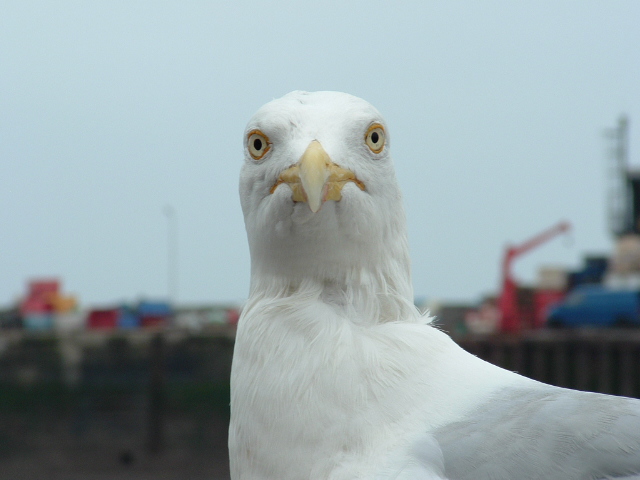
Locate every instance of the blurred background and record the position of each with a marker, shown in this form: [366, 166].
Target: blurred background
[123, 259]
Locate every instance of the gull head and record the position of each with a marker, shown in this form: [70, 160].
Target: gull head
[318, 189]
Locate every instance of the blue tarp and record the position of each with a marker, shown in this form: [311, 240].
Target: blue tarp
[156, 309]
[128, 318]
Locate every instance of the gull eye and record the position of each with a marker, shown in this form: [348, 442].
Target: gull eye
[258, 144]
[375, 138]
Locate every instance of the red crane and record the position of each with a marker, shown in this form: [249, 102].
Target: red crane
[508, 302]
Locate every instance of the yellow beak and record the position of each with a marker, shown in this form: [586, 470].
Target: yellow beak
[315, 178]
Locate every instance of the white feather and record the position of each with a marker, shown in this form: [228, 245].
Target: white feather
[335, 374]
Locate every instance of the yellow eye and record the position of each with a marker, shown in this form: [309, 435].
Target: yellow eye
[375, 138]
[258, 144]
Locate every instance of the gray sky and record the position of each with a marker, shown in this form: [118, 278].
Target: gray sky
[109, 111]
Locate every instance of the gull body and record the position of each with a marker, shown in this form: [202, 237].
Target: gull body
[335, 373]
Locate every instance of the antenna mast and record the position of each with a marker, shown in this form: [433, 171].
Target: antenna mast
[620, 209]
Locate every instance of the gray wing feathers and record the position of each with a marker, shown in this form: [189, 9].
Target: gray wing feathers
[549, 433]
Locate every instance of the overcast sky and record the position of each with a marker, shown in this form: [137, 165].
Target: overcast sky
[110, 111]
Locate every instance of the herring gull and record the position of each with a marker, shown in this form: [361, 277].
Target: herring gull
[336, 375]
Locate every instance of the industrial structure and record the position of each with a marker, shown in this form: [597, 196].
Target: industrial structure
[599, 288]
[513, 317]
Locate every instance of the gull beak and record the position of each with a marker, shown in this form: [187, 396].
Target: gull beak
[315, 178]
[314, 172]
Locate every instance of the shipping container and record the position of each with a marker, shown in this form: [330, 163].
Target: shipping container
[63, 303]
[69, 321]
[40, 295]
[217, 315]
[148, 321]
[103, 319]
[38, 321]
[192, 319]
[626, 257]
[42, 288]
[552, 278]
[544, 301]
[128, 318]
[154, 314]
[594, 305]
[158, 309]
[233, 315]
[35, 305]
[593, 272]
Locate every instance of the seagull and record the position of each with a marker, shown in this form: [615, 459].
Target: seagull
[336, 374]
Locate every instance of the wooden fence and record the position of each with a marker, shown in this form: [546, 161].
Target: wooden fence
[597, 360]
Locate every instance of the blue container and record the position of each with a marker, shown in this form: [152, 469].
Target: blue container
[127, 318]
[154, 309]
[593, 305]
[38, 321]
[592, 273]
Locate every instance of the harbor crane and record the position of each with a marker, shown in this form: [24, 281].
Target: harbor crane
[511, 316]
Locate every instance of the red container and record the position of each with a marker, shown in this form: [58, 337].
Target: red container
[233, 316]
[38, 299]
[153, 321]
[103, 319]
[35, 305]
[543, 299]
[42, 288]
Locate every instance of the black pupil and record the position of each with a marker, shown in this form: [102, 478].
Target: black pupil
[257, 144]
[375, 137]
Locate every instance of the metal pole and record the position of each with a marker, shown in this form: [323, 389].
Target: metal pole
[621, 159]
[619, 198]
[172, 253]
[156, 405]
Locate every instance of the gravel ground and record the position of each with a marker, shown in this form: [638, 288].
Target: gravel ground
[107, 465]
[56, 453]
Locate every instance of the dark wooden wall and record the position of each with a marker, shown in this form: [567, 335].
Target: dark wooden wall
[605, 361]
